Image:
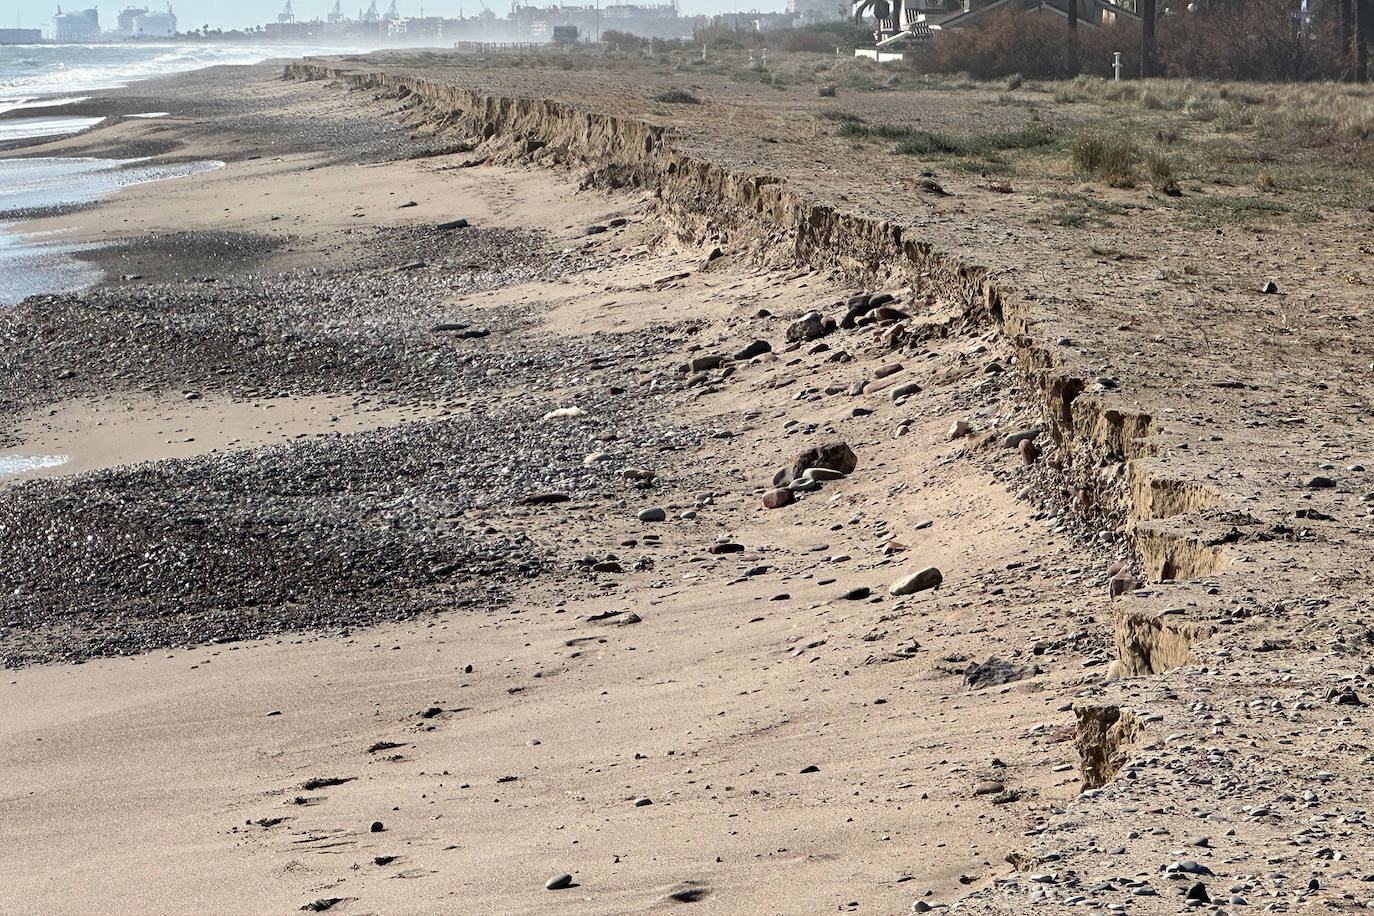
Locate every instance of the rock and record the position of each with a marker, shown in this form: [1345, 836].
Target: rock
[1319, 483]
[905, 391]
[887, 313]
[778, 497]
[885, 371]
[837, 456]
[808, 327]
[542, 499]
[688, 892]
[701, 378]
[1198, 892]
[377, 827]
[1015, 439]
[564, 413]
[615, 618]
[782, 476]
[1029, 451]
[854, 308]
[642, 802]
[597, 229]
[607, 566]
[857, 594]
[892, 547]
[652, 515]
[557, 884]
[804, 485]
[959, 429]
[811, 769]
[1121, 585]
[757, 348]
[989, 787]
[725, 547]
[930, 577]
[995, 671]
[1269, 287]
[822, 474]
[705, 363]
[452, 224]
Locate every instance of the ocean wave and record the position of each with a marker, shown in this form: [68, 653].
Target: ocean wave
[68, 69]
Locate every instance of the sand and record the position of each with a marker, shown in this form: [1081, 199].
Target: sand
[510, 741]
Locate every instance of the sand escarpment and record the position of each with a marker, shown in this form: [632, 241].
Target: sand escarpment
[1101, 446]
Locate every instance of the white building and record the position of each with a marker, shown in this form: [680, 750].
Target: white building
[155, 25]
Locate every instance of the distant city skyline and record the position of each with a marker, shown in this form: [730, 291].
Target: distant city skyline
[192, 14]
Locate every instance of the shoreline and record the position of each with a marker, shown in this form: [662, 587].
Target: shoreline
[610, 324]
[801, 729]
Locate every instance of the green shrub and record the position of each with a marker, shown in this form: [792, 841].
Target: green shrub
[1111, 159]
[677, 96]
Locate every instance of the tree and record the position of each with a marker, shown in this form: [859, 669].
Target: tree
[1073, 38]
[1362, 13]
[1147, 38]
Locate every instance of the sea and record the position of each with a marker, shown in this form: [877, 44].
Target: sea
[34, 81]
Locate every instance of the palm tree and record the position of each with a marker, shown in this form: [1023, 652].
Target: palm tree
[881, 9]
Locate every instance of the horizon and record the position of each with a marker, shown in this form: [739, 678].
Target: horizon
[194, 15]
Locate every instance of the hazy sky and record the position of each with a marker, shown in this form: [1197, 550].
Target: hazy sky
[237, 13]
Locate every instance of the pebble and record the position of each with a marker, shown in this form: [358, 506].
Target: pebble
[930, 577]
[905, 391]
[652, 515]
[557, 884]
[778, 497]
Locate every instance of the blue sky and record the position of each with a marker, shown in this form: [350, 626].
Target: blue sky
[238, 13]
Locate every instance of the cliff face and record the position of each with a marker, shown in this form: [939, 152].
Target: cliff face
[1103, 451]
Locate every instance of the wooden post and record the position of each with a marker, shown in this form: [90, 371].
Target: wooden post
[1147, 38]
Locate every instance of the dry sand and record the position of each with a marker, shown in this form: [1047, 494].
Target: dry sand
[501, 746]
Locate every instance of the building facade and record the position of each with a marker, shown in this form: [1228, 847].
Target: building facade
[76, 26]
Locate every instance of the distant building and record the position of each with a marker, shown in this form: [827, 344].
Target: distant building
[810, 11]
[76, 27]
[961, 14]
[20, 36]
[288, 31]
[126, 20]
[156, 25]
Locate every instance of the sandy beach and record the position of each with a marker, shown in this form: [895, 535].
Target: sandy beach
[464, 494]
